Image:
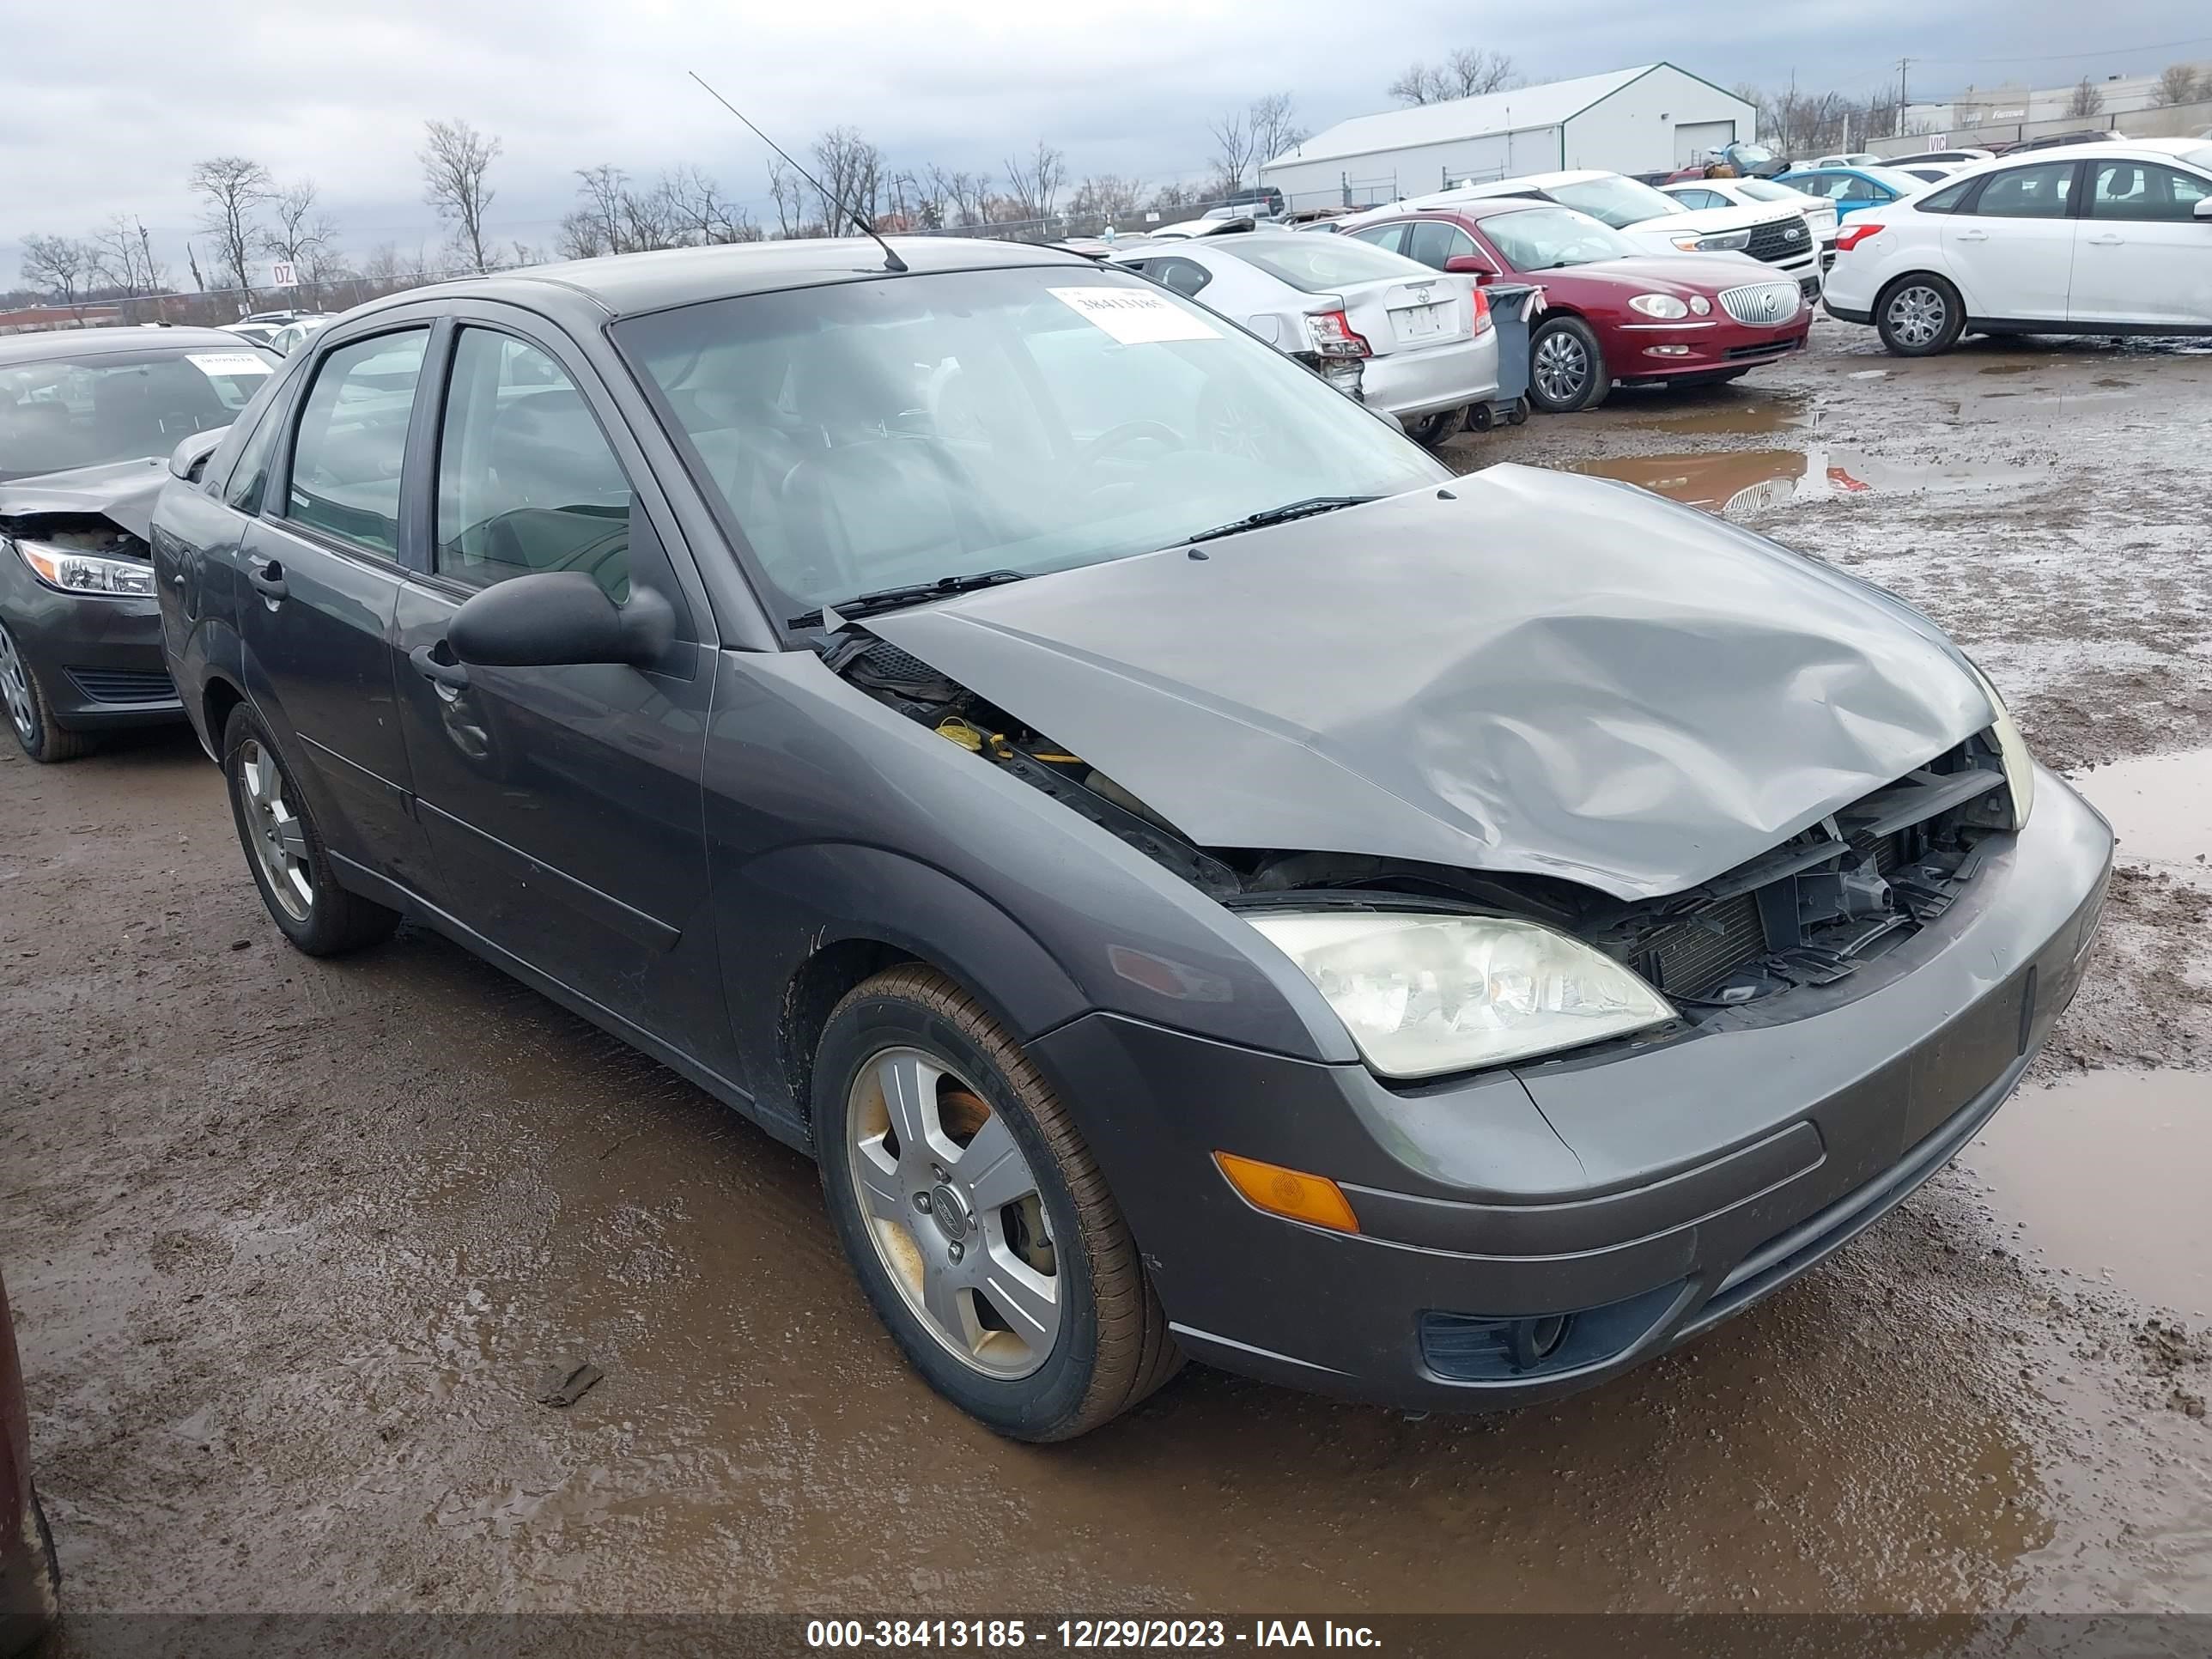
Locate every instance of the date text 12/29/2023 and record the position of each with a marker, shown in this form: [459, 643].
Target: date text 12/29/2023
[1082, 1635]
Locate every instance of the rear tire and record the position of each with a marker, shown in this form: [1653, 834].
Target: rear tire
[1566, 370]
[284, 848]
[984, 1236]
[1919, 315]
[30, 712]
[1433, 430]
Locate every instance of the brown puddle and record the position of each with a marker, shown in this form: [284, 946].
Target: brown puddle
[2107, 1175]
[1755, 416]
[1751, 480]
[2160, 808]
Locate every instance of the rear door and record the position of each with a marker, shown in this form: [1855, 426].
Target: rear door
[562, 804]
[2012, 251]
[322, 567]
[2140, 254]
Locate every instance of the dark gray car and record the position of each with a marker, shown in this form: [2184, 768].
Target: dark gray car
[1201, 880]
[88, 420]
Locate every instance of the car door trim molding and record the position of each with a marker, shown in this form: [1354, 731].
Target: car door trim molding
[604, 909]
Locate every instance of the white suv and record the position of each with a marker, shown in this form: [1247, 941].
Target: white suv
[2094, 239]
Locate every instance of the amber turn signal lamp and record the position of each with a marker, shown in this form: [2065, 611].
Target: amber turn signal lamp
[1312, 1198]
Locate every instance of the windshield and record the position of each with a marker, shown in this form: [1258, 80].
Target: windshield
[1617, 201]
[1545, 239]
[1314, 265]
[865, 435]
[1757, 154]
[1766, 190]
[101, 408]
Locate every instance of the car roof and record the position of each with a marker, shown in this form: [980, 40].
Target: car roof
[629, 284]
[1474, 207]
[90, 342]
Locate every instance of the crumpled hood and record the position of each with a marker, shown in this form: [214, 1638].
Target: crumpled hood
[122, 492]
[1547, 673]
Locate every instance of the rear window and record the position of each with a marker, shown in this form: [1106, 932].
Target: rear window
[1314, 265]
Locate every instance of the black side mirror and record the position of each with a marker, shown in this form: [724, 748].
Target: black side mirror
[188, 460]
[559, 618]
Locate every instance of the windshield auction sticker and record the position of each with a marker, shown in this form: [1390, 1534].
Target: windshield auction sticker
[213, 363]
[1135, 317]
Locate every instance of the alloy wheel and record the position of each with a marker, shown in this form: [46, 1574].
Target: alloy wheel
[1561, 367]
[1917, 315]
[16, 689]
[954, 1211]
[274, 832]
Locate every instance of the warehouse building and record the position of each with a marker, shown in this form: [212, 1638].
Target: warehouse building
[1631, 120]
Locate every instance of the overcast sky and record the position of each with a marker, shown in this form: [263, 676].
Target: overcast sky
[103, 108]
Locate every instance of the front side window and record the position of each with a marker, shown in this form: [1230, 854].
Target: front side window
[873, 435]
[353, 439]
[1946, 200]
[1434, 242]
[97, 408]
[2143, 190]
[2036, 193]
[527, 480]
[1185, 277]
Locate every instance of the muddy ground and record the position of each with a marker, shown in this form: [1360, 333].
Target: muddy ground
[291, 1243]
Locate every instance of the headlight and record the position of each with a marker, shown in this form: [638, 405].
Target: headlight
[86, 573]
[1422, 994]
[1658, 304]
[2012, 749]
[1718, 241]
[1700, 304]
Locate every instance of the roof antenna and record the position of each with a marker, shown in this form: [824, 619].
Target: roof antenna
[891, 261]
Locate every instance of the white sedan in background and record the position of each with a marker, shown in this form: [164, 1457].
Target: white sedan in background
[2110, 238]
[1699, 193]
[1411, 343]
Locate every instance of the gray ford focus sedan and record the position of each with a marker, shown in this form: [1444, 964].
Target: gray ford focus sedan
[1202, 880]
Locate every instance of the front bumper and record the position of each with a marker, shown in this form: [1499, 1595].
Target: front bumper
[99, 659]
[1650, 1192]
[1410, 383]
[1642, 353]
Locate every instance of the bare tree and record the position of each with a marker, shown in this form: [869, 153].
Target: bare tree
[962, 195]
[60, 266]
[233, 188]
[1108, 197]
[1468, 72]
[1232, 151]
[701, 211]
[1033, 180]
[850, 170]
[2178, 84]
[788, 191]
[2089, 100]
[300, 235]
[1274, 127]
[122, 258]
[456, 162]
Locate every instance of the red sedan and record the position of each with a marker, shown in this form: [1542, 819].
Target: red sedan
[1612, 314]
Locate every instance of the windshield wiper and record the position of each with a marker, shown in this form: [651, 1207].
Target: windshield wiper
[890, 599]
[1283, 514]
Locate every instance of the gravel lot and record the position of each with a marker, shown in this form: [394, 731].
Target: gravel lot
[292, 1243]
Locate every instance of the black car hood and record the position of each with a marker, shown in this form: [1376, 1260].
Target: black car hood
[1534, 673]
[122, 492]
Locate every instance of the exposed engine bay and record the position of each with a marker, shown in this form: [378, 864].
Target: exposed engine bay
[74, 532]
[1806, 912]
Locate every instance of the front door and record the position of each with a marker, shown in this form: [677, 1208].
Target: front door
[562, 804]
[321, 579]
[2140, 254]
[2014, 252]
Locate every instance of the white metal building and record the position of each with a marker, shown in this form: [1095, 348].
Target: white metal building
[1631, 120]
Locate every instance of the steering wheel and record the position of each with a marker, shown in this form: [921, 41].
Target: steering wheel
[1115, 439]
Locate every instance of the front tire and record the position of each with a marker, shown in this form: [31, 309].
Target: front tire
[976, 1218]
[1566, 369]
[30, 712]
[1919, 316]
[284, 848]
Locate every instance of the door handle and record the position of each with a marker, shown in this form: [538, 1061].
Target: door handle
[1973, 236]
[269, 581]
[451, 676]
[2108, 240]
